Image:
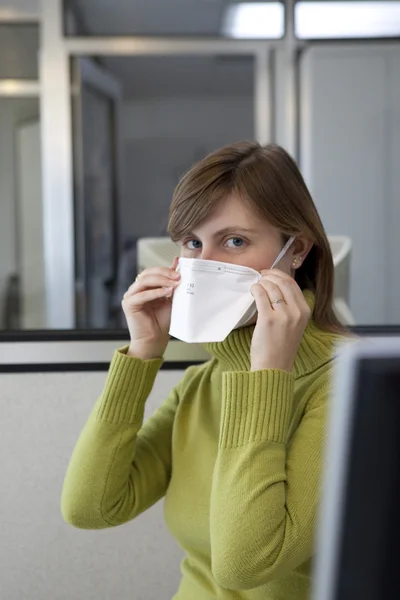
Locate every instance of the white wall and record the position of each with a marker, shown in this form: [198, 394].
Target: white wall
[21, 7]
[19, 46]
[350, 156]
[12, 111]
[162, 138]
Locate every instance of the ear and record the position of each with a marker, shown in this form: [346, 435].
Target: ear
[299, 251]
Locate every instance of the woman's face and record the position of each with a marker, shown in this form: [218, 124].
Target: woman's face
[232, 234]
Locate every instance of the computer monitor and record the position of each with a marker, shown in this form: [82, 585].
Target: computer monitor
[359, 528]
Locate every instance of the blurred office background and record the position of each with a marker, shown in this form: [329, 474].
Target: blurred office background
[104, 105]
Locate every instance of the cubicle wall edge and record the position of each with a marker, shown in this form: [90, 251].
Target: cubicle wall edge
[62, 351]
[91, 350]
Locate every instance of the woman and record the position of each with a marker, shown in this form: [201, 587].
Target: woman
[236, 448]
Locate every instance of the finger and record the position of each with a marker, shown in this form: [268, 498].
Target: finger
[175, 263]
[263, 303]
[157, 271]
[163, 271]
[297, 307]
[136, 302]
[151, 281]
[283, 276]
[288, 286]
[273, 291]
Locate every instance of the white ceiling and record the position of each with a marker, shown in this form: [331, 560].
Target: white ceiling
[158, 17]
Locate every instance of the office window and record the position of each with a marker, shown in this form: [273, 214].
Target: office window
[133, 141]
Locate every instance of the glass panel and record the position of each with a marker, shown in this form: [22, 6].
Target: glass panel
[318, 20]
[19, 47]
[350, 157]
[163, 18]
[173, 111]
[22, 300]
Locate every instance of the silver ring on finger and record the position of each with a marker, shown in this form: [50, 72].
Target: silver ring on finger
[277, 301]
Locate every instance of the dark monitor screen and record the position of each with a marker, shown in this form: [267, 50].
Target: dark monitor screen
[358, 550]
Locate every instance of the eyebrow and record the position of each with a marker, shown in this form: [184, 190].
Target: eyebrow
[232, 229]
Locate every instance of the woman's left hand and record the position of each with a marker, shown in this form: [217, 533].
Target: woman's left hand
[280, 326]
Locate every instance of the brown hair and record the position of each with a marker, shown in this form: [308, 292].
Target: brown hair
[269, 181]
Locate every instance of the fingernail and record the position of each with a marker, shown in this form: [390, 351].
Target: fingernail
[168, 290]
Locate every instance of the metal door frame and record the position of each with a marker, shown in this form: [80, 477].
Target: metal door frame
[85, 71]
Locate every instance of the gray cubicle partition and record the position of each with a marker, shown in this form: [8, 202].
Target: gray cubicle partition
[48, 385]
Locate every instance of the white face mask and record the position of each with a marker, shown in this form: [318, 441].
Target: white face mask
[213, 298]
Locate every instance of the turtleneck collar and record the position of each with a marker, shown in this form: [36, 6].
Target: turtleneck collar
[316, 348]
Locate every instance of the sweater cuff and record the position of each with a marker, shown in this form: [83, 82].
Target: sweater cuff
[256, 406]
[128, 385]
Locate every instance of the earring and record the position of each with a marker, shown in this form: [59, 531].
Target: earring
[295, 261]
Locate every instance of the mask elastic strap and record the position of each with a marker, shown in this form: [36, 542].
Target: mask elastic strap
[284, 250]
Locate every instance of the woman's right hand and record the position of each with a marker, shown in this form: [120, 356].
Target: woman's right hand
[147, 308]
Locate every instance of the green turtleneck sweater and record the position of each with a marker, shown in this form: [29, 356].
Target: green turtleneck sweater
[237, 455]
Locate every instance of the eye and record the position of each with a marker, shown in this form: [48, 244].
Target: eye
[196, 244]
[237, 242]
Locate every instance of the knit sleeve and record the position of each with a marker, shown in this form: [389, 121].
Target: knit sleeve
[265, 488]
[118, 468]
